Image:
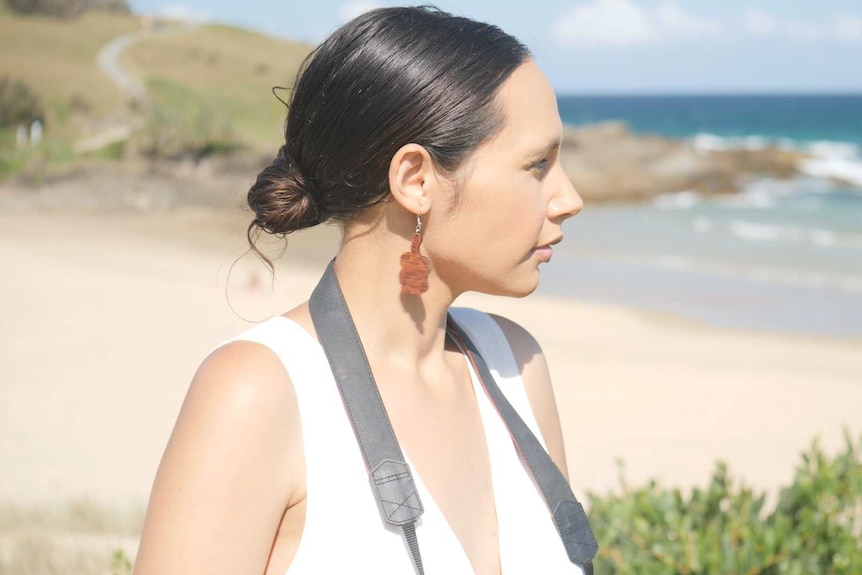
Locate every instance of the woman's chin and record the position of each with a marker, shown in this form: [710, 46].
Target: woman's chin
[524, 286]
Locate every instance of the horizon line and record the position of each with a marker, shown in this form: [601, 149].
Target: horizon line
[703, 93]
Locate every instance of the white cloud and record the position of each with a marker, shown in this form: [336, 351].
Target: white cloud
[353, 8]
[675, 20]
[615, 23]
[847, 28]
[759, 23]
[622, 23]
[184, 13]
[803, 31]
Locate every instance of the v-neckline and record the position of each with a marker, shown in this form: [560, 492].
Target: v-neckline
[426, 495]
[484, 407]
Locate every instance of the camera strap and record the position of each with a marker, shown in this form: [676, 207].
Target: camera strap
[390, 477]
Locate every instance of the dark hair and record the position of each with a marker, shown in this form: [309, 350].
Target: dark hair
[389, 77]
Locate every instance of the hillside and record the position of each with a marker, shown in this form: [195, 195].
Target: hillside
[57, 59]
[205, 92]
[210, 82]
[222, 76]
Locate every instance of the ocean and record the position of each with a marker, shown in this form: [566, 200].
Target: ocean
[780, 256]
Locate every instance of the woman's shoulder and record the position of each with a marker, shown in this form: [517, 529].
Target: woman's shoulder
[243, 380]
[513, 351]
[259, 360]
[244, 365]
[494, 332]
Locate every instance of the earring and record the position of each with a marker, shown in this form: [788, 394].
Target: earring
[414, 266]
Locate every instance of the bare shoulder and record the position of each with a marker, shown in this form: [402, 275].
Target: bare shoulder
[534, 372]
[241, 388]
[242, 370]
[232, 466]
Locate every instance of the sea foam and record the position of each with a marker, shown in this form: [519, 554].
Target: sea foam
[814, 279]
[826, 158]
[676, 200]
[767, 232]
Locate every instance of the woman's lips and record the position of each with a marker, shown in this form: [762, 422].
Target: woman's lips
[544, 253]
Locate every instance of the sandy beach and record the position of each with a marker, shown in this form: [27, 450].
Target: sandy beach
[107, 315]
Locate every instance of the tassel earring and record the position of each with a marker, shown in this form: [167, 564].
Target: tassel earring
[414, 266]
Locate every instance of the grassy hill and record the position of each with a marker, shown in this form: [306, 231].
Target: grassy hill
[224, 74]
[57, 58]
[204, 83]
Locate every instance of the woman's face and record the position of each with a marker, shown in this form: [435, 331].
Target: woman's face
[513, 197]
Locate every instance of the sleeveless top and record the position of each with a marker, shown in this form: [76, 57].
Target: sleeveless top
[344, 532]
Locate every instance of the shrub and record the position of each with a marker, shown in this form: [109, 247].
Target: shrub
[19, 104]
[172, 135]
[66, 8]
[816, 526]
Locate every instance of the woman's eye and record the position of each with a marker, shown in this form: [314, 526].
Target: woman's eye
[541, 166]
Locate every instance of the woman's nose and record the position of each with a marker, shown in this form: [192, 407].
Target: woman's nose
[566, 202]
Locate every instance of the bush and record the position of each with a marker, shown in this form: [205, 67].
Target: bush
[174, 135]
[19, 104]
[815, 528]
[66, 8]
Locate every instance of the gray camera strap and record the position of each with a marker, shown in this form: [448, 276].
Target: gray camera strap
[390, 476]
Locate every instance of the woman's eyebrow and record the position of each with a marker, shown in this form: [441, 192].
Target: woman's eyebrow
[552, 145]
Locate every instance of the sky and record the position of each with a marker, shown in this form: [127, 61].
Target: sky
[618, 46]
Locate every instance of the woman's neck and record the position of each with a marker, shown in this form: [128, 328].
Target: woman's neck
[408, 329]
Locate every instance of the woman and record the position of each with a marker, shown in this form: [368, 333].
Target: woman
[405, 125]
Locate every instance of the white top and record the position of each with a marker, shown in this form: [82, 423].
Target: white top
[344, 532]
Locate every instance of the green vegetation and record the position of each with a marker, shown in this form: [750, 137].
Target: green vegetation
[120, 563]
[816, 526]
[221, 73]
[208, 89]
[79, 538]
[65, 8]
[190, 128]
[19, 104]
[56, 59]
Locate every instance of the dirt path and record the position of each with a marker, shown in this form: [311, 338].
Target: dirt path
[109, 60]
[110, 63]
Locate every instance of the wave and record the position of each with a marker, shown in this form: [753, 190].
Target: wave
[825, 158]
[761, 194]
[794, 277]
[676, 200]
[762, 274]
[763, 232]
[839, 160]
[706, 142]
[849, 171]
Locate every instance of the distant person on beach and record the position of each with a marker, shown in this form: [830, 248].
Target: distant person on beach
[434, 142]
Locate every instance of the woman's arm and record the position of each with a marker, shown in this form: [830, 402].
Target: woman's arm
[537, 382]
[232, 467]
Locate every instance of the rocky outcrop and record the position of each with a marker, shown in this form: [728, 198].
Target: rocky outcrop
[608, 162]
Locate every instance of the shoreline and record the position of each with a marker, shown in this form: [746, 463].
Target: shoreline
[108, 315]
[211, 196]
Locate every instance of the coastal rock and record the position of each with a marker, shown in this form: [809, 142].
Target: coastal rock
[608, 162]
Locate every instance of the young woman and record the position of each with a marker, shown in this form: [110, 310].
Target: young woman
[406, 124]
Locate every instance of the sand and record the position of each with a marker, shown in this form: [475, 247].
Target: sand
[105, 317]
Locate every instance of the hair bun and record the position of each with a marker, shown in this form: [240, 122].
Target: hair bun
[282, 198]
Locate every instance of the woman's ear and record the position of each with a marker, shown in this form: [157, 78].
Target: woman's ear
[413, 178]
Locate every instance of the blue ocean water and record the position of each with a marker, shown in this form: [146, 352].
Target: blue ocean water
[781, 255]
[801, 118]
